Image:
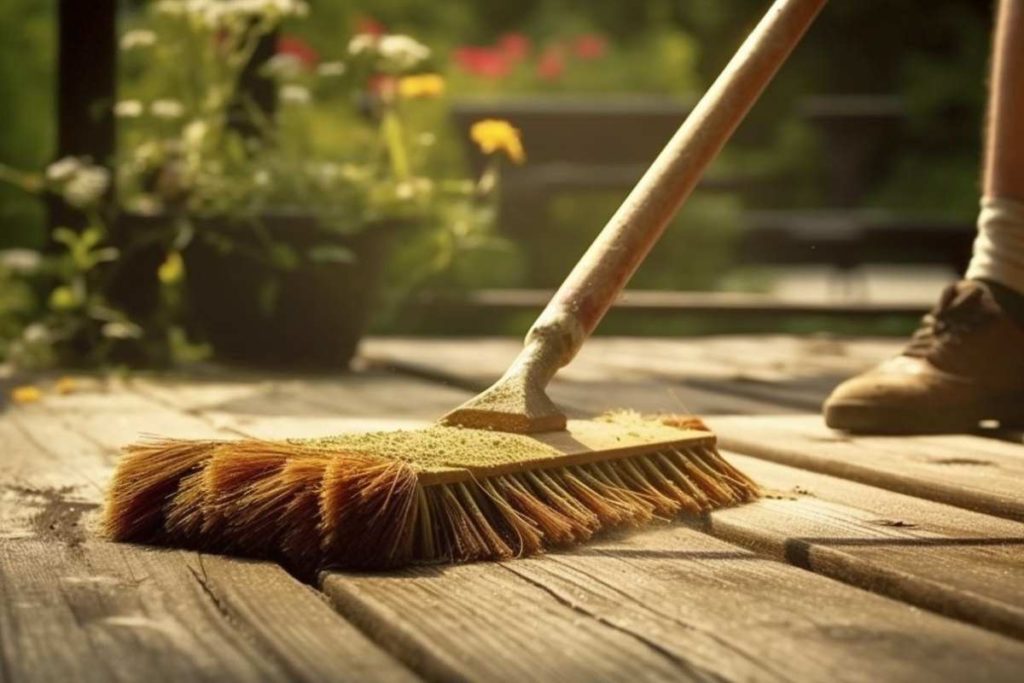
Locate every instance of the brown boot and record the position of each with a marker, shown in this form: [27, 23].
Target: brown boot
[964, 365]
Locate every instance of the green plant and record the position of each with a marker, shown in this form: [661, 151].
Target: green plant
[53, 307]
[356, 140]
[210, 161]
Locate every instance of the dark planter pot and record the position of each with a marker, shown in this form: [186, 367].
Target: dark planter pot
[318, 311]
[142, 240]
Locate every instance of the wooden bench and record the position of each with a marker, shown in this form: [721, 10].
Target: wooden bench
[606, 144]
[848, 238]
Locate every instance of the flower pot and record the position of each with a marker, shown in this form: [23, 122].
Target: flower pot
[312, 314]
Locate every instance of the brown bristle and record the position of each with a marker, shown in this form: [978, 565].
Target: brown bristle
[366, 505]
[299, 519]
[145, 479]
[315, 507]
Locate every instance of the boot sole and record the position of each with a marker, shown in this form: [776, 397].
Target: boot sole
[872, 418]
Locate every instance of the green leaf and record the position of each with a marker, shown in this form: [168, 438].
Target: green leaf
[105, 255]
[330, 253]
[65, 236]
[63, 299]
[283, 256]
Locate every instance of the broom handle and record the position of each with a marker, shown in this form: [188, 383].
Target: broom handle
[596, 281]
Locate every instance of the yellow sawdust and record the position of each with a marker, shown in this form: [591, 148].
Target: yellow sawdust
[438, 447]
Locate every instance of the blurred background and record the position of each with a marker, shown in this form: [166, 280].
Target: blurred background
[259, 153]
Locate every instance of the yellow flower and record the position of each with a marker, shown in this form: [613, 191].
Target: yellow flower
[422, 85]
[496, 135]
[26, 394]
[65, 385]
[171, 269]
[63, 298]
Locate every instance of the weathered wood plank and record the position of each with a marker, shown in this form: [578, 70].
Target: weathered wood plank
[107, 612]
[966, 471]
[963, 564]
[662, 604]
[952, 561]
[473, 364]
[287, 407]
[76, 608]
[923, 573]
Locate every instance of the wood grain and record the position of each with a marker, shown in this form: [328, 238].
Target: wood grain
[966, 471]
[474, 364]
[951, 561]
[665, 604]
[77, 608]
[963, 564]
[660, 604]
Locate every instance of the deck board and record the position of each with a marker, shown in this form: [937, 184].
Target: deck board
[948, 560]
[84, 609]
[968, 471]
[674, 602]
[666, 603]
[952, 561]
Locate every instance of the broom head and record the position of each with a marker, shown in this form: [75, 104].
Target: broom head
[439, 494]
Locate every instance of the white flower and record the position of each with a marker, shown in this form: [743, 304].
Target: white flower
[146, 154]
[261, 178]
[145, 204]
[137, 38]
[166, 109]
[409, 189]
[20, 260]
[63, 170]
[327, 172]
[172, 8]
[121, 330]
[295, 94]
[194, 133]
[218, 13]
[405, 190]
[360, 43]
[426, 139]
[283, 66]
[402, 53]
[331, 69]
[286, 8]
[86, 186]
[36, 333]
[128, 109]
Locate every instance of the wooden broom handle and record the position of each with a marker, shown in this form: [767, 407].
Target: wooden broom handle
[596, 281]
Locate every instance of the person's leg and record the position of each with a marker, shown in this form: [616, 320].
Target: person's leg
[965, 363]
[1004, 140]
[999, 248]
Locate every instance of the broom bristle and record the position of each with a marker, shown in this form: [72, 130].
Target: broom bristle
[313, 505]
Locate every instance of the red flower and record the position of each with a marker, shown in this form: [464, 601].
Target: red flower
[515, 46]
[590, 46]
[551, 64]
[382, 86]
[370, 26]
[483, 61]
[296, 47]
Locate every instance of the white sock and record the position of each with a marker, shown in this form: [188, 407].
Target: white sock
[999, 247]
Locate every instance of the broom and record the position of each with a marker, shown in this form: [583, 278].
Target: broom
[501, 476]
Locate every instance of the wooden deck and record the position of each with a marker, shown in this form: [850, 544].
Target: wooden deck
[871, 559]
